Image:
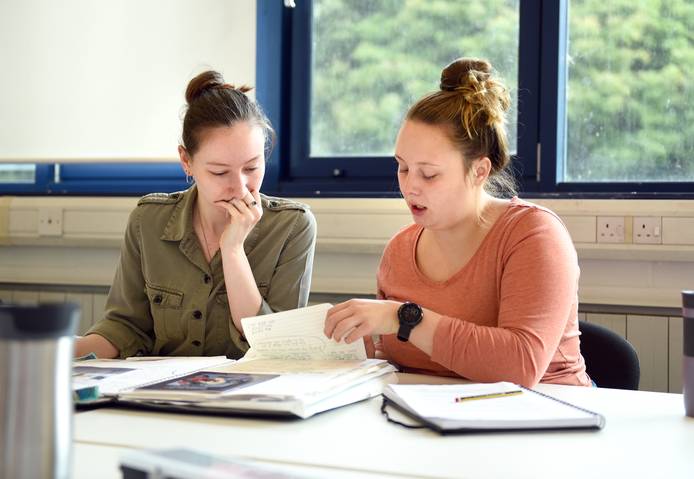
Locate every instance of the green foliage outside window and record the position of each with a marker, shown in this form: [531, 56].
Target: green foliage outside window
[630, 90]
[373, 59]
[630, 70]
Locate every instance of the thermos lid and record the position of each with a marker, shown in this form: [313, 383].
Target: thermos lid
[688, 299]
[38, 321]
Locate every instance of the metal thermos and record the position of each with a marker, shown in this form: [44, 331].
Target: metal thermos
[688, 360]
[36, 350]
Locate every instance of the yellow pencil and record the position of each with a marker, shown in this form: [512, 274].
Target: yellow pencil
[487, 396]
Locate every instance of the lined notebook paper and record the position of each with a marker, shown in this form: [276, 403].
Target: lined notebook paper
[296, 334]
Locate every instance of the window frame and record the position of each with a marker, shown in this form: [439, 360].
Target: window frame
[539, 159]
[100, 179]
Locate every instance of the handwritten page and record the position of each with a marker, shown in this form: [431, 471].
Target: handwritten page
[296, 334]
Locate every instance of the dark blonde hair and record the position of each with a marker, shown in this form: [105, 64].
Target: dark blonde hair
[213, 103]
[472, 105]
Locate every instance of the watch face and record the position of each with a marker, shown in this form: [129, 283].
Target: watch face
[410, 314]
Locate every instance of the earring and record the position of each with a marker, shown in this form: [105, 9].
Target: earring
[189, 177]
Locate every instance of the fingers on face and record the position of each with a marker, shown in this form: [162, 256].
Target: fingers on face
[253, 204]
[231, 209]
[238, 208]
[252, 198]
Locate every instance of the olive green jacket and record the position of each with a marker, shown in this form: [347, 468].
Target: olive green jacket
[166, 300]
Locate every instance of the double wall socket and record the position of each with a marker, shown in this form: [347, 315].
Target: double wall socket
[610, 229]
[639, 229]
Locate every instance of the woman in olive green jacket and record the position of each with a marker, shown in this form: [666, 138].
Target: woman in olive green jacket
[194, 263]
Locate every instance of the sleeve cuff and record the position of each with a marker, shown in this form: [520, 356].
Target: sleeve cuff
[121, 337]
[264, 308]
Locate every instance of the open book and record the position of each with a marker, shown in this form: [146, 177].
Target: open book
[499, 406]
[291, 369]
[108, 377]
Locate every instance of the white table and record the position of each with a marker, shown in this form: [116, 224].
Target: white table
[103, 462]
[646, 435]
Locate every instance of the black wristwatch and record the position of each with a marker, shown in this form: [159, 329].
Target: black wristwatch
[409, 316]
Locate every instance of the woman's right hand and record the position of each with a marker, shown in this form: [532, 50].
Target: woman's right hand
[357, 318]
[244, 214]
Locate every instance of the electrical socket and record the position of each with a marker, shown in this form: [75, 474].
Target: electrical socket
[50, 222]
[648, 230]
[610, 229]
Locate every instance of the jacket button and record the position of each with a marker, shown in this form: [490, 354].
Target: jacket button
[157, 299]
[206, 278]
[197, 314]
[196, 343]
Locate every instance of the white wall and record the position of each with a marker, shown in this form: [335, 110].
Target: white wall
[106, 78]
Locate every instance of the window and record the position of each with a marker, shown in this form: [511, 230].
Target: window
[629, 95]
[599, 88]
[17, 173]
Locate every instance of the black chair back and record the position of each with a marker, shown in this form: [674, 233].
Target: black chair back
[611, 361]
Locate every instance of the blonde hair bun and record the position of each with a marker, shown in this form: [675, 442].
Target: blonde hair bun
[473, 79]
[456, 74]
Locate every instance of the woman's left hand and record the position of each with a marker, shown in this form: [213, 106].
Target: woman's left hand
[244, 214]
[361, 317]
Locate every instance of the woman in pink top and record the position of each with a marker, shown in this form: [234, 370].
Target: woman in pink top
[479, 287]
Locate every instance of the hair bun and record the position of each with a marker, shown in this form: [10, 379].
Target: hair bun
[473, 79]
[209, 80]
[463, 71]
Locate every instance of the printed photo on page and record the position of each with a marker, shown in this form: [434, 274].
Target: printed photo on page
[210, 382]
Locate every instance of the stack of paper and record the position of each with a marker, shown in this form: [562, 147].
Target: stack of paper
[290, 369]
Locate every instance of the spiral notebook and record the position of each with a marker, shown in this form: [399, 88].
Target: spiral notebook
[502, 406]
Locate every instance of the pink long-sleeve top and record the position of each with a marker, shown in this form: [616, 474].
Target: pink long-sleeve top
[510, 314]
